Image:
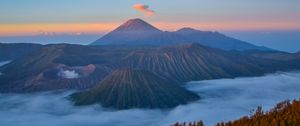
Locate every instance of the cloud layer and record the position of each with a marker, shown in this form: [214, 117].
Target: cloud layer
[4, 62]
[144, 9]
[223, 99]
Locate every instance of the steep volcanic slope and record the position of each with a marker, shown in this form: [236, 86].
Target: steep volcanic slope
[11, 51]
[216, 40]
[64, 66]
[189, 62]
[125, 89]
[138, 32]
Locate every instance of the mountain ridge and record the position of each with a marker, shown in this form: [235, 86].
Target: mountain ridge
[179, 63]
[11, 51]
[138, 32]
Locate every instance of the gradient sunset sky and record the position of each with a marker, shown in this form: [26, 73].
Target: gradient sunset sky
[29, 17]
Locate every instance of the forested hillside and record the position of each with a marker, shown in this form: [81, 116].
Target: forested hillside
[283, 114]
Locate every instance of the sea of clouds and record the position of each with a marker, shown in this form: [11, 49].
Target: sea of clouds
[4, 62]
[222, 99]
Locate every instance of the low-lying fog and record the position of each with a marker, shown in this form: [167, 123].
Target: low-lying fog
[3, 63]
[223, 99]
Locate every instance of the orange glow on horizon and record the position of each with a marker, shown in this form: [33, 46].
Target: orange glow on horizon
[35, 29]
[100, 28]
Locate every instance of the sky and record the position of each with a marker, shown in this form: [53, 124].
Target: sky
[99, 16]
[77, 17]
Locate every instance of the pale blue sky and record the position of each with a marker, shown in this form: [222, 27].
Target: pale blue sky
[66, 11]
[26, 17]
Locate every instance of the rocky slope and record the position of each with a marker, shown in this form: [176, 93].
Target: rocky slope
[125, 89]
[187, 62]
[60, 66]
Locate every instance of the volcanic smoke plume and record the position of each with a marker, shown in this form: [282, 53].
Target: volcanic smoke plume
[144, 9]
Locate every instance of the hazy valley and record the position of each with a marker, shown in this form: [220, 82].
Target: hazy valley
[222, 100]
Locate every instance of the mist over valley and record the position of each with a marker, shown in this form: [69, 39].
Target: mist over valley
[222, 100]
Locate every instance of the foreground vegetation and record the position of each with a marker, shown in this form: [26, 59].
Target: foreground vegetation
[286, 113]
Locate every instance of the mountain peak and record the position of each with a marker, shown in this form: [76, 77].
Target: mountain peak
[186, 29]
[135, 20]
[136, 24]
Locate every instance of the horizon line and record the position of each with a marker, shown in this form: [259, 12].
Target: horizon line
[25, 29]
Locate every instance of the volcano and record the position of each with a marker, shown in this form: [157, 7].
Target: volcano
[128, 88]
[136, 25]
[138, 32]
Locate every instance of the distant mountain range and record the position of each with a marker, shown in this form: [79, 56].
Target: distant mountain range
[80, 38]
[139, 32]
[11, 51]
